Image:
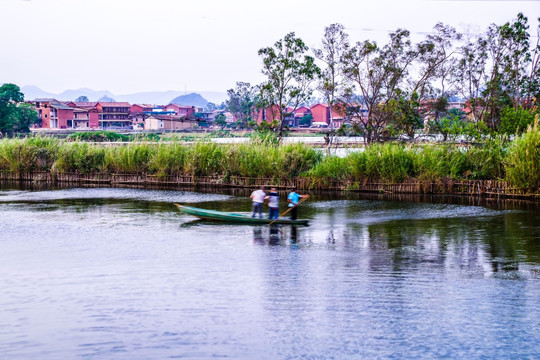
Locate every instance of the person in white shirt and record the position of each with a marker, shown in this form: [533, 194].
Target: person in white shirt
[258, 199]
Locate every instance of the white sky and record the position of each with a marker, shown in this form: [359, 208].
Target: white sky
[128, 46]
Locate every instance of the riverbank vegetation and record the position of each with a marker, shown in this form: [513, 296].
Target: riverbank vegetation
[516, 161]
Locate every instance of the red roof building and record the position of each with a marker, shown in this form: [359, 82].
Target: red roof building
[136, 109]
[180, 110]
[301, 112]
[85, 114]
[321, 113]
[114, 114]
[53, 113]
[269, 114]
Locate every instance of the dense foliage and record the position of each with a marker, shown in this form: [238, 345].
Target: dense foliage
[15, 115]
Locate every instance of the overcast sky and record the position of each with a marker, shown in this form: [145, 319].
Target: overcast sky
[128, 46]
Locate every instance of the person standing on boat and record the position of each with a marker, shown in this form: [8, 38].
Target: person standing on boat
[293, 199]
[258, 199]
[273, 204]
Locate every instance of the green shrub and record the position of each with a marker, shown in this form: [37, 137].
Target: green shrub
[98, 136]
[516, 121]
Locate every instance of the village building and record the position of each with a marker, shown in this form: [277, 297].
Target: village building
[114, 115]
[85, 118]
[321, 115]
[271, 113]
[300, 114]
[136, 109]
[180, 110]
[138, 113]
[169, 123]
[85, 114]
[52, 113]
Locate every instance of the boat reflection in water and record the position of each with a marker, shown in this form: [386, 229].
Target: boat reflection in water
[275, 235]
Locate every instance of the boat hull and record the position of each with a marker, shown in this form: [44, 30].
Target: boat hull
[232, 217]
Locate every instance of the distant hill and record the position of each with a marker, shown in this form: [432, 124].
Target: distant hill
[190, 100]
[105, 98]
[150, 97]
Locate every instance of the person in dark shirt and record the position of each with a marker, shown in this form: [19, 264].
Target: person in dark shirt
[273, 204]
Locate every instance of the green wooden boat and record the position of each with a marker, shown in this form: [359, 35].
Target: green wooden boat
[236, 218]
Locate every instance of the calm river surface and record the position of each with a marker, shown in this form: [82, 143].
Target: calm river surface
[103, 273]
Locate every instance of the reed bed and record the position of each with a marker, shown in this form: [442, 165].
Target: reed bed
[518, 161]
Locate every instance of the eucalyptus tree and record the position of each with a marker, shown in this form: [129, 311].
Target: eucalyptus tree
[334, 44]
[519, 66]
[470, 75]
[437, 57]
[243, 102]
[290, 73]
[432, 60]
[378, 75]
[497, 70]
[531, 93]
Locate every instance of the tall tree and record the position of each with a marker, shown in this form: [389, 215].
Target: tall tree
[334, 44]
[519, 66]
[437, 58]
[377, 73]
[471, 74]
[531, 94]
[498, 70]
[289, 75]
[243, 102]
[82, 98]
[26, 116]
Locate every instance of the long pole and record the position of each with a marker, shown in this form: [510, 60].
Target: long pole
[290, 208]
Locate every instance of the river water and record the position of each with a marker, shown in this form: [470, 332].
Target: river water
[104, 273]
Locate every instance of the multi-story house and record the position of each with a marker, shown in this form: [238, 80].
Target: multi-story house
[53, 113]
[114, 115]
[85, 113]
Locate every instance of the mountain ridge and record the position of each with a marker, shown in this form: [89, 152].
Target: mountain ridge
[149, 97]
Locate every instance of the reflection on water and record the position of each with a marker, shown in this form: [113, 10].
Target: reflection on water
[120, 273]
[275, 235]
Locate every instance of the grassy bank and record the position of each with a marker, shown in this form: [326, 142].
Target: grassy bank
[518, 161]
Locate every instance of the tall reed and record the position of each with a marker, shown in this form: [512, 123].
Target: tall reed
[133, 158]
[168, 159]
[80, 158]
[25, 155]
[518, 161]
[523, 161]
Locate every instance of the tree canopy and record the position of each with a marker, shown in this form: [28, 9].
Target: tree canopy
[15, 115]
